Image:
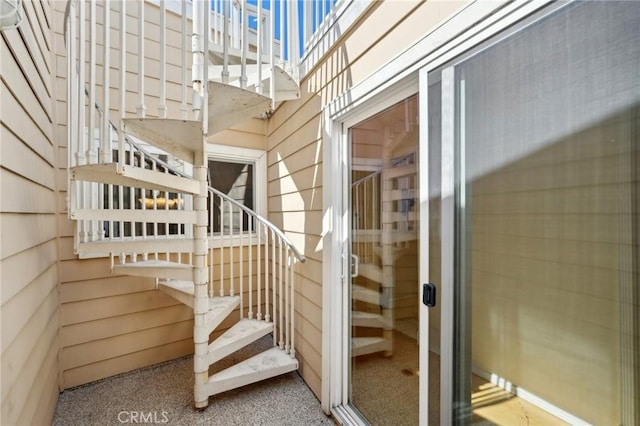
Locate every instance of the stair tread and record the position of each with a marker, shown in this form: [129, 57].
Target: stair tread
[155, 263]
[238, 336]
[156, 269]
[230, 105]
[368, 319]
[369, 345]
[240, 330]
[216, 303]
[269, 363]
[182, 138]
[127, 175]
[370, 271]
[365, 294]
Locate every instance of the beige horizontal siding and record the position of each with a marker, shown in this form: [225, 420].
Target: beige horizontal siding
[295, 143]
[29, 304]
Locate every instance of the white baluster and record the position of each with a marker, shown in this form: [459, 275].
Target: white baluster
[287, 307]
[231, 285]
[241, 261]
[284, 34]
[225, 43]
[280, 295]
[273, 278]
[292, 348]
[245, 45]
[250, 312]
[266, 274]
[258, 275]
[221, 246]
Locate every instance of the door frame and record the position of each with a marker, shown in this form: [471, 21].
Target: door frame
[337, 157]
[458, 35]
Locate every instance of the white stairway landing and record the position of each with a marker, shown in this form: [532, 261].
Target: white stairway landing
[239, 335]
[270, 363]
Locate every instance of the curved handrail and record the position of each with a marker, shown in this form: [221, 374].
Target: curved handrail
[299, 256]
[261, 219]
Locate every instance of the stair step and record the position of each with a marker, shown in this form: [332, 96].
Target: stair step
[181, 290]
[238, 336]
[158, 215]
[286, 86]
[181, 138]
[370, 271]
[156, 269]
[219, 306]
[365, 294]
[369, 345]
[126, 175]
[375, 236]
[137, 245]
[368, 319]
[270, 363]
[230, 105]
[400, 171]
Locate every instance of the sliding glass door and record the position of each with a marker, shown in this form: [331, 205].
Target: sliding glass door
[540, 207]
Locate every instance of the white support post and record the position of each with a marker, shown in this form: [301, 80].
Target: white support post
[81, 147]
[199, 258]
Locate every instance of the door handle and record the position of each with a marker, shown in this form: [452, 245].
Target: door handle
[429, 294]
[355, 262]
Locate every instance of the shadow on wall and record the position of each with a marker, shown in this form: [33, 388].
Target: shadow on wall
[553, 263]
[295, 173]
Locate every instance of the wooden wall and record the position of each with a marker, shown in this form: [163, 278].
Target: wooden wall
[295, 149]
[29, 269]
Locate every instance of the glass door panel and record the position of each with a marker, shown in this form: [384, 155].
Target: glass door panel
[385, 366]
[547, 174]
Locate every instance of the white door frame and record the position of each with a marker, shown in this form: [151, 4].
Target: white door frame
[474, 23]
[336, 354]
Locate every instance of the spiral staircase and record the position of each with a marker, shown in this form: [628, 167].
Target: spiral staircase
[137, 176]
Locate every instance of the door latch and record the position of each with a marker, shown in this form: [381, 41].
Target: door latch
[429, 294]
